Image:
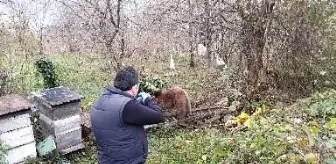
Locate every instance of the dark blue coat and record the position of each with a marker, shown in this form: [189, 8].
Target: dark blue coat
[118, 142]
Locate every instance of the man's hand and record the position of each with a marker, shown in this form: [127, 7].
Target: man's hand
[142, 97]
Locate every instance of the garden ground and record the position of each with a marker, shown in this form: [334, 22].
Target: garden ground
[304, 131]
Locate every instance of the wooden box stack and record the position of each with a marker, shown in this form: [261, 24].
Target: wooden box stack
[16, 129]
[59, 116]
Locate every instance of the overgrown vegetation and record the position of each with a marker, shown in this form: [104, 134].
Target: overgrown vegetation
[152, 84]
[46, 68]
[323, 105]
[272, 136]
[289, 135]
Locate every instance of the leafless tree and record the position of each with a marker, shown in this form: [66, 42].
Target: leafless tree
[270, 44]
[102, 19]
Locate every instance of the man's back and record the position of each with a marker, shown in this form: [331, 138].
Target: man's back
[117, 141]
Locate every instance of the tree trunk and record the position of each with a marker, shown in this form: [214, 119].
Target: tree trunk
[41, 41]
[266, 12]
[207, 32]
[190, 34]
[254, 35]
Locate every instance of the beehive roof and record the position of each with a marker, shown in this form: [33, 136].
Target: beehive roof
[13, 103]
[57, 96]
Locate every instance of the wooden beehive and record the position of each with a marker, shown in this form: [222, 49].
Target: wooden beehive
[16, 129]
[59, 116]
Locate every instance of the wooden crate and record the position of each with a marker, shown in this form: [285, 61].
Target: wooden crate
[16, 129]
[66, 132]
[57, 103]
[59, 116]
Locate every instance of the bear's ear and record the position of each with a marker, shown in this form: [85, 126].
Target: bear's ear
[157, 93]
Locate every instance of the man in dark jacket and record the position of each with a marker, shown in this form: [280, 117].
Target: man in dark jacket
[118, 118]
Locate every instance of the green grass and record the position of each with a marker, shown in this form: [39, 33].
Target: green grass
[274, 136]
[88, 75]
[181, 146]
[74, 71]
[174, 147]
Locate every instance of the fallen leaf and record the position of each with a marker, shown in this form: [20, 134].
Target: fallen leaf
[204, 157]
[310, 158]
[331, 124]
[242, 118]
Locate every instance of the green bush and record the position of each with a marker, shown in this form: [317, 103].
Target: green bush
[323, 104]
[46, 68]
[152, 84]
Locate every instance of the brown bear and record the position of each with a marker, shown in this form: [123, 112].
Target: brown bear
[174, 98]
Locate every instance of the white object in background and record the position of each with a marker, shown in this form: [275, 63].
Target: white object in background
[297, 120]
[171, 63]
[201, 50]
[220, 61]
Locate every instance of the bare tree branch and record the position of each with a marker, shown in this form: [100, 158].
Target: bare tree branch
[108, 6]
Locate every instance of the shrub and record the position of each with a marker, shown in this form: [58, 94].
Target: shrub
[323, 104]
[152, 84]
[46, 68]
[293, 135]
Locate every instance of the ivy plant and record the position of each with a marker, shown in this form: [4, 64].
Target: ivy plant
[46, 68]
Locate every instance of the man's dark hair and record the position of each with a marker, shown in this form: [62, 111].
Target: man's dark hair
[126, 78]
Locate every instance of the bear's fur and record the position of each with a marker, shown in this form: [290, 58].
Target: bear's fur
[174, 98]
